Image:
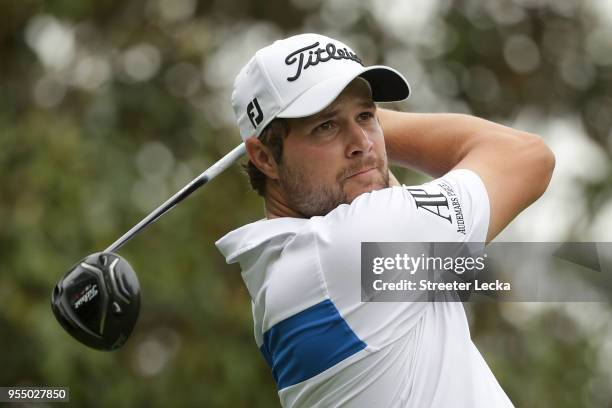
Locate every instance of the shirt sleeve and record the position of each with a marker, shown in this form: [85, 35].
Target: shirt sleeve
[460, 198]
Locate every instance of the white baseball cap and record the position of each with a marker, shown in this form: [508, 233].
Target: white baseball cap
[300, 76]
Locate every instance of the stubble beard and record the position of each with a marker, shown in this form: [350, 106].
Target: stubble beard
[311, 199]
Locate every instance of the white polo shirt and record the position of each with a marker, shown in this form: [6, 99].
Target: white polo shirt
[326, 347]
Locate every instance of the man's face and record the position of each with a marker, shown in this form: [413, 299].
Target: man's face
[334, 156]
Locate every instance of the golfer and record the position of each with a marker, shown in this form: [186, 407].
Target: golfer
[319, 150]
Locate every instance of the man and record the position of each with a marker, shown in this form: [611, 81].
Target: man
[318, 157]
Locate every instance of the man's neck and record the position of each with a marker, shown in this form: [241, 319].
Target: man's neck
[276, 206]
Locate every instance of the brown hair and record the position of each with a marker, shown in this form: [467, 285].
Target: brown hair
[272, 137]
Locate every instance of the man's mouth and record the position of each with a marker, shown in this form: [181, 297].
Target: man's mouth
[363, 173]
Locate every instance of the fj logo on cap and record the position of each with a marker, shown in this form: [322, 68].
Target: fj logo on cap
[254, 113]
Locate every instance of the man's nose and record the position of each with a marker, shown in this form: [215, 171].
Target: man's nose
[358, 141]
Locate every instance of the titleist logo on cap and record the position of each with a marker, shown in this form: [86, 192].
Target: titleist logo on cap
[315, 56]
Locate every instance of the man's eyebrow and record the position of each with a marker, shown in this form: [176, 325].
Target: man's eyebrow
[367, 103]
[328, 114]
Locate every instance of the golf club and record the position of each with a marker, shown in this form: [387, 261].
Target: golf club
[98, 300]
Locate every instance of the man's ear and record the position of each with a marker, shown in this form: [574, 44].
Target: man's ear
[261, 157]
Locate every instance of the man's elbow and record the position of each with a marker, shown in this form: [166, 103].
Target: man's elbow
[541, 163]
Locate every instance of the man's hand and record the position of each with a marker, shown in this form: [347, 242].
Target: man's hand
[514, 166]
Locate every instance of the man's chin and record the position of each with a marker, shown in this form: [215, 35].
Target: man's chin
[367, 188]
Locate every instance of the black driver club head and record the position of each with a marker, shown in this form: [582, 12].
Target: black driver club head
[98, 300]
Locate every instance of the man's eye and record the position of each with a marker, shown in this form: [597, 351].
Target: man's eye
[366, 115]
[324, 127]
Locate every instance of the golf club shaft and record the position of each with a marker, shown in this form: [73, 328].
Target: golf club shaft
[193, 185]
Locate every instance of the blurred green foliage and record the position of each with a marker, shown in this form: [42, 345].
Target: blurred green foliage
[108, 107]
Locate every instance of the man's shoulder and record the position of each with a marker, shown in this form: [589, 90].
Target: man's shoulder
[254, 234]
[369, 212]
[450, 208]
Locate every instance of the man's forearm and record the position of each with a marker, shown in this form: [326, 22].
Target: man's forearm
[514, 166]
[435, 143]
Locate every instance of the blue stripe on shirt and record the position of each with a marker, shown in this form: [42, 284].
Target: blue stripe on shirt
[308, 343]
